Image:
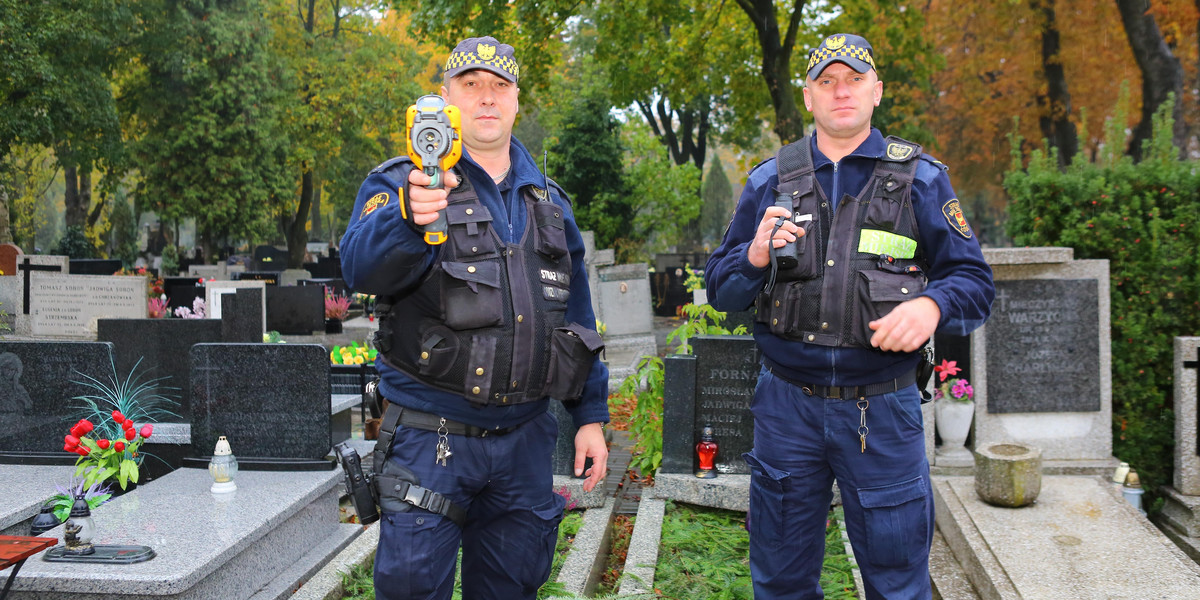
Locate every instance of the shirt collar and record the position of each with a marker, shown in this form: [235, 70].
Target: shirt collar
[872, 148]
[524, 170]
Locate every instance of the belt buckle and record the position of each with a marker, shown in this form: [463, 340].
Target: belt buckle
[806, 389]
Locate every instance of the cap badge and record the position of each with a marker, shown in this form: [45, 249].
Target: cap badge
[954, 215]
[835, 42]
[485, 51]
[899, 151]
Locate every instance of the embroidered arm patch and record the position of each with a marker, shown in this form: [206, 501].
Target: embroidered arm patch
[954, 215]
[376, 201]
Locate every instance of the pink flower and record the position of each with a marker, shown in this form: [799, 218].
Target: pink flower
[147, 429]
[962, 389]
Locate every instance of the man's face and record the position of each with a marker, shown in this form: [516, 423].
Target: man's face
[489, 107]
[842, 100]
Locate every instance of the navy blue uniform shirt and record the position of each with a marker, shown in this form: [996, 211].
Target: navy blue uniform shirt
[381, 254]
[960, 281]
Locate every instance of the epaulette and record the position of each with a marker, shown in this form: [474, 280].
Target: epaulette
[389, 163]
[935, 162]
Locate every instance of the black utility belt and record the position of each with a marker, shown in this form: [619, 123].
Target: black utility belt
[431, 422]
[851, 392]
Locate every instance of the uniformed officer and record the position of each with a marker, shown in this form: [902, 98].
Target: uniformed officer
[475, 335]
[871, 256]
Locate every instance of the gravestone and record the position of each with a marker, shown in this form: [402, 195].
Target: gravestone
[296, 309]
[242, 319]
[219, 271]
[15, 291]
[182, 291]
[271, 401]
[1042, 363]
[94, 266]
[335, 286]
[1180, 515]
[8, 259]
[38, 384]
[624, 300]
[159, 350]
[270, 277]
[69, 305]
[713, 386]
[593, 260]
[213, 289]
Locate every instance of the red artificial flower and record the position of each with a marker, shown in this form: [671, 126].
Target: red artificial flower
[117, 416]
[128, 424]
[71, 441]
[119, 446]
[103, 443]
[130, 434]
[147, 429]
[87, 426]
[77, 430]
[68, 448]
[946, 369]
[82, 451]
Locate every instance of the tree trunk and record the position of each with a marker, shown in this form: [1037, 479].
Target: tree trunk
[317, 229]
[75, 211]
[297, 232]
[777, 63]
[1055, 104]
[1162, 74]
[683, 145]
[6, 236]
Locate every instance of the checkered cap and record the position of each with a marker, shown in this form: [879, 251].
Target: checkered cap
[483, 53]
[855, 51]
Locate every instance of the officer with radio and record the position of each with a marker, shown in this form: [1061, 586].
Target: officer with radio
[485, 316]
[855, 250]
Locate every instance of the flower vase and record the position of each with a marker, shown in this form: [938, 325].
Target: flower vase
[333, 325]
[953, 421]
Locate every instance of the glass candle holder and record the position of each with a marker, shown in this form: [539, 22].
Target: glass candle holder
[223, 467]
[80, 529]
[706, 452]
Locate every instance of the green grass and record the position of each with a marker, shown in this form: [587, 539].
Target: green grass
[359, 584]
[705, 552]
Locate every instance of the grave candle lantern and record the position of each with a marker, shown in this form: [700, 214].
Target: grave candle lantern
[80, 529]
[223, 467]
[706, 451]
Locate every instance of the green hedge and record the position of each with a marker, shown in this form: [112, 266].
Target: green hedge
[1142, 218]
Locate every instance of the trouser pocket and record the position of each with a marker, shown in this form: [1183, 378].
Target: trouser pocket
[767, 488]
[415, 556]
[897, 522]
[543, 528]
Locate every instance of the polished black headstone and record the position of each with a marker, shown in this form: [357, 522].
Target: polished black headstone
[271, 401]
[564, 447]
[161, 346]
[38, 384]
[271, 277]
[296, 309]
[1043, 346]
[94, 266]
[335, 286]
[679, 414]
[241, 316]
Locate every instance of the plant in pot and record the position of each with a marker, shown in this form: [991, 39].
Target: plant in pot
[336, 309]
[954, 408]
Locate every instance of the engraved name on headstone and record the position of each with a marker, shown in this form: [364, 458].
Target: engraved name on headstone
[1043, 348]
[726, 374]
[69, 305]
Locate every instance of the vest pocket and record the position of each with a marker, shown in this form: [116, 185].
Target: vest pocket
[470, 230]
[573, 349]
[439, 348]
[882, 213]
[782, 310]
[550, 231]
[878, 293]
[471, 295]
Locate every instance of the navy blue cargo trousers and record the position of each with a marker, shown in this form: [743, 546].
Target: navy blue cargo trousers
[802, 443]
[506, 486]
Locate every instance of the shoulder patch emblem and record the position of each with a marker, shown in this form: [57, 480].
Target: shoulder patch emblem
[954, 215]
[899, 151]
[376, 201]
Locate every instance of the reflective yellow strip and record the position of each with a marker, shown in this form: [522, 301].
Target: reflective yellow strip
[874, 241]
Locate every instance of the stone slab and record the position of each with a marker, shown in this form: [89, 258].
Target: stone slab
[624, 299]
[213, 289]
[326, 584]
[584, 564]
[208, 545]
[68, 306]
[1080, 540]
[26, 487]
[730, 492]
[642, 556]
[1043, 352]
[1060, 435]
[1181, 511]
[949, 580]
[38, 384]
[1187, 447]
[727, 370]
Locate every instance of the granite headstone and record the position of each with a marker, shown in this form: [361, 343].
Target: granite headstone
[271, 401]
[296, 309]
[624, 292]
[1043, 347]
[38, 384]
[8, 259]
[158, 348]
[242, 316]
[94, 266]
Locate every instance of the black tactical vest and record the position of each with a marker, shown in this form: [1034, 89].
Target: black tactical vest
[486, 321]
[854, 265]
